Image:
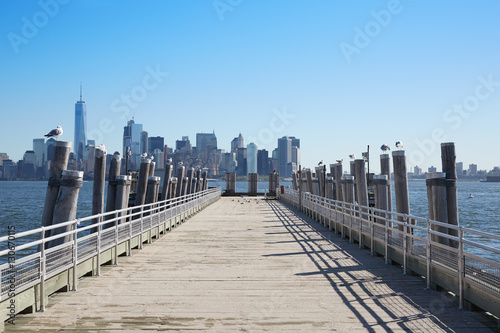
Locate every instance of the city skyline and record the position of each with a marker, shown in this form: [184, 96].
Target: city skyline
[338, 75]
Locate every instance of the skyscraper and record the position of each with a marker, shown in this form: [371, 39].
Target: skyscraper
[40, 152]
[132, 139]
[252, 158]
[80, 128]
[263, 162]
[237, 143]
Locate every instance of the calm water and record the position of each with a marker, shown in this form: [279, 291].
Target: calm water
[21, 203]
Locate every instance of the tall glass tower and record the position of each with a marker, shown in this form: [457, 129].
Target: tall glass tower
[80, 128]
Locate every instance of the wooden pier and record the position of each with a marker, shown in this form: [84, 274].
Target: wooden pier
[248, 264]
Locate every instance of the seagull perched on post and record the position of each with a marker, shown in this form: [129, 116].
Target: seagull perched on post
[55, 132]
[352, 156]
[399, 144]
[340, 161]
[320, 163]
[169, 161]
[385, 147]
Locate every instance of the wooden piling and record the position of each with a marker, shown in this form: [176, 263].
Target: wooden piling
[348, 188]
[381, 196]
[448, 159]
[173, 187]
[193, 185]
[198, 181]
[114, 172]
[122, 194]
[339, 194]
[230, 182]
[185, 184]
[180, 179]
[436, 191]
[385, 169]
[329, 186]
[99, 182]
[204, 180]
[401, 184]
[309, 179]
[58, 165]
[66, 204]
[152, 191]
[190, 174]
[252, 183]
[320, 174]
[152, 166]
[295, 185]
[142, 185]
[361, 186]
[166, 182]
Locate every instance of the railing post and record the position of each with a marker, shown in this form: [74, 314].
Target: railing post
[129, 233]
[43, 271]
[372, 231]
[116, 243]
[75, 254]
[386, 241]
[428, 254]
[99, 229]
[351, 213]
[461, 264]
[360, 235]
[405, 224]
[142, 227]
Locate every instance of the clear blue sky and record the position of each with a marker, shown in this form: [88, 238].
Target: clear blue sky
[340, 75]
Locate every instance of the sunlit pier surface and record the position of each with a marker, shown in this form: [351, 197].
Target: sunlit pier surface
[250, 264]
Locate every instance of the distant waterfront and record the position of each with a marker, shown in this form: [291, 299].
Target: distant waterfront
[21, 202]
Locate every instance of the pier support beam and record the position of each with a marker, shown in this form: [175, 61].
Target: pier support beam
[401, 184]
[448, 159]
[99, 182]
[114, 172]
[230, 182]
[142, 185]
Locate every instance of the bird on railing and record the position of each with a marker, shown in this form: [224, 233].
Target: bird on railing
[352, 156]
[55, 132]
[399, 144]
[385, 147]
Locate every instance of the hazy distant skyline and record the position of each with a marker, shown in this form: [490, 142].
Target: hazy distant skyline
[338, 75]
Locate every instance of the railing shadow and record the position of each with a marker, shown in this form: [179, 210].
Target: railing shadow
[382, 298]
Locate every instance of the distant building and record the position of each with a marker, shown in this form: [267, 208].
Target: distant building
[159, 158]
[29, 164]
[80, 128]
[252, 158]
[144, 142]
[237, 143]
[40, 152]
[241, 159]
[156, 142]
[460, 168]
[472, 169]
[132, 139]
[228, 163]
[432, 169]
[9, 169]
[183, 145]
[263, 162]
[417, 171]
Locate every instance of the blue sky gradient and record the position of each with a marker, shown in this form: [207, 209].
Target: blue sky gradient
[422, 72]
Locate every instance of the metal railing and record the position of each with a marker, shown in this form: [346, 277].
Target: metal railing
[90, 237]
[471, 259]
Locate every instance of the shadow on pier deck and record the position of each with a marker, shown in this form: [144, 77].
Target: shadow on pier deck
[249, 264]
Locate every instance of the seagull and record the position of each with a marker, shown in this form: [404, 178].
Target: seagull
[101, 147]
[340, 161]
[320, 163]
[55, 132]
[399, 145]
[169, 160]
[352, 156]
[385, 147]
[144, 155]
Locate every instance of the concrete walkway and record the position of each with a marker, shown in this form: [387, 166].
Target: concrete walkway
[251, 266]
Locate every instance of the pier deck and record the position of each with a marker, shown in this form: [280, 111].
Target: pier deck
[250, 267]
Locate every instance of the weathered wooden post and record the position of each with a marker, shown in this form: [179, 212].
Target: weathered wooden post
[122, 194]
[193, 185]
[320, 175]
[339, 193]
[329, 187]
[436, 192]
[352, 168]
[309, 179]
[315, 186]
[152, 192]
[348, 188]
[152, 166]
[401, 184]
[198, 181]
[58, 165]
[66, 204]
[381, 196]
[173, 187]
[301, 184]
[204, 180]
[180, 178]
[99, 182]
[252, 183]
[166, 182]
[294, 181]
[448, 159]
[190, 174]
[231, 182]
[361, 186]
[114, 172]
[185, 183]
[140, 196]
[385, 169]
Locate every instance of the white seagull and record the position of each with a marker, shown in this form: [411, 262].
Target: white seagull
[320, 163]
[385, 147]
[340, 161]
[399, 145]
[55, 132]
[352, 156]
